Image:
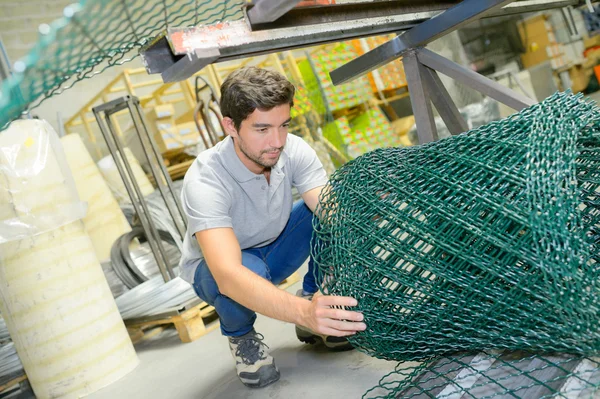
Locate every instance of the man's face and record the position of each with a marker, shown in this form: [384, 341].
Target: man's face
[261, 137]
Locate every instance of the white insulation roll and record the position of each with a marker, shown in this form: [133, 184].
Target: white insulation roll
[53, 294]
[104, 221]
[115, 182]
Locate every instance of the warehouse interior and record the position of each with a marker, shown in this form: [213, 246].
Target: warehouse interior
[105, 105]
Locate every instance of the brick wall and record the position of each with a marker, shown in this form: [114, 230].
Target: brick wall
[19, 22]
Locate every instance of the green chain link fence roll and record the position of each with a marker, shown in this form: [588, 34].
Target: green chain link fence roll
[483, 241]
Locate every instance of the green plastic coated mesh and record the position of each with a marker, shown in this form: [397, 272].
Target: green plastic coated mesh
[99, 33]
[483, 241]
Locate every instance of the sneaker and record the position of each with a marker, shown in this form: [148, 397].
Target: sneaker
[309, 337]
[255, 366]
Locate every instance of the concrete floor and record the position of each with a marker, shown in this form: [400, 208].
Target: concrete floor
[205, 369]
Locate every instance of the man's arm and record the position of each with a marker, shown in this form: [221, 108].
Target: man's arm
[224, 258]
[311, 198]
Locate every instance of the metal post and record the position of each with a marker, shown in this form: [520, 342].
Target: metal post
[421, 105]
[137, 199]
[161, 176]
[442, 101]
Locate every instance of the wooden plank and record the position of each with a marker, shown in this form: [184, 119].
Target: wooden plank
[190, 324]
[12, 383]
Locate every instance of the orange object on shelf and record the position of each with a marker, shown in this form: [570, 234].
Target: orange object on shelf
[597, 72]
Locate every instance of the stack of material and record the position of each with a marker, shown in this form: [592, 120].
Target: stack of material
[104, 221]
[477, 254]
[319, 83]
[53, 295]
[115, 182]
[366, 132]
[375, 128]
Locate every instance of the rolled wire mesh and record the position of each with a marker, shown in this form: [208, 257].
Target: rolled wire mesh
[483, 241]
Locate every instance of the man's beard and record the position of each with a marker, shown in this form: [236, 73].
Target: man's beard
[257, 160]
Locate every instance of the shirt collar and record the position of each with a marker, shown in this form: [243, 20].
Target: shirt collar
[233, 164]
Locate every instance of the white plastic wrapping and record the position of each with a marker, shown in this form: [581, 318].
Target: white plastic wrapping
[54, 297]
[104, 221]
[115, 182]
[37, 192]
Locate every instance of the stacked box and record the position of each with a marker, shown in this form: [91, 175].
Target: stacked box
[316, 77]
[338, 133]
[161, 125]
[302, 104]
[348, 142]
[364, 133]
[375, 128]
[390, 76]
[187, 134]
[167, 134]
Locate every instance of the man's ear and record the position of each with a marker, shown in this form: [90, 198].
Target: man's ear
[229, 127]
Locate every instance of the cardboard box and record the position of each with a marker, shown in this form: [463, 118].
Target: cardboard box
[590, 42]
[187, 128]
[555, 50]
[534, 58]
[535, 28]
[162, 111]
[580, 78]
[167, 139]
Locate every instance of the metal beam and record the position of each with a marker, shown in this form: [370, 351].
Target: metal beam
[262, 11]
[355, 10]
[474, 80]
[189, 65]
[421, 105]
[309, 26]
[442, 101]
[420, 35]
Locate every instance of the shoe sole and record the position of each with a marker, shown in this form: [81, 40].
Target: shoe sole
[338, 344]
[266, 375]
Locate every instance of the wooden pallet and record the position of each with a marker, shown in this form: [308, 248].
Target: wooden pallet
[6, 386]
[191, 323]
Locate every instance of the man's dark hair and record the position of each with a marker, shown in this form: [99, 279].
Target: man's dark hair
[249, 88]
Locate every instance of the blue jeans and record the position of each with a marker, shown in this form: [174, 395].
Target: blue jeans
[274, 262]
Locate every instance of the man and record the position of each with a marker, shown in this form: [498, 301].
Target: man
[244, 234]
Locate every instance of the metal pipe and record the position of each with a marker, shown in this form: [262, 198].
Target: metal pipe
[131, 186]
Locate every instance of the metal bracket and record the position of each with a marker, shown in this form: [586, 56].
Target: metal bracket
[420, 35]
[306, 26]
[474, 80]
[424, 84]
[190, 64]
[442, 101]
[262, 11]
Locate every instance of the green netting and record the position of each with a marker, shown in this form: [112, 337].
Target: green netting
[99, 33]
[486, 240]
[494, 374]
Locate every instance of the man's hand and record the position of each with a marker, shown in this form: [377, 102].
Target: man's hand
[325, 316]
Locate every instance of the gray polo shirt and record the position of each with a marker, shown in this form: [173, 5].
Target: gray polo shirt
[219, 191]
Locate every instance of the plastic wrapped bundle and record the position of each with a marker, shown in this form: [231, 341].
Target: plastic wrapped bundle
[53, 295]
[104, 221]
[115, 182]
[483, 241]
